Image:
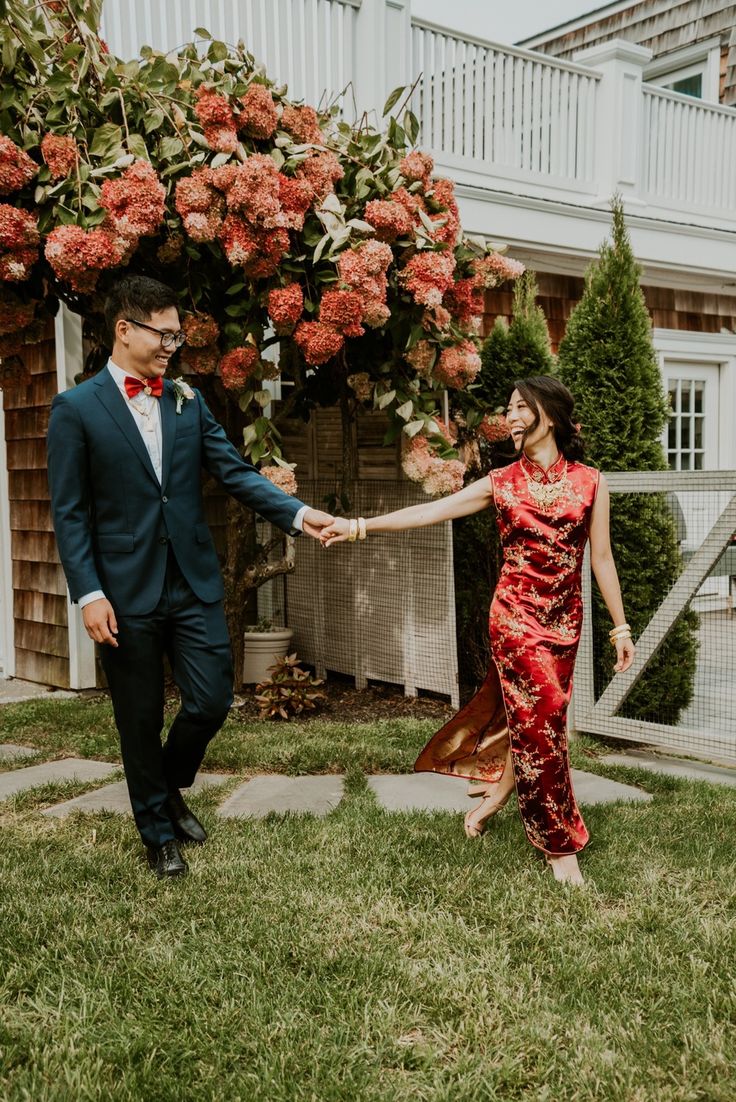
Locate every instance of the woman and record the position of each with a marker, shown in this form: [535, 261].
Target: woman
[513, 732]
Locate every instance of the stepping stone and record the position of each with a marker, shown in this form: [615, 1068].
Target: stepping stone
[435, 792]
[114, 797]
[592, 789]
[10, 752]
[674, 767]
[50, 772]
[262, 795]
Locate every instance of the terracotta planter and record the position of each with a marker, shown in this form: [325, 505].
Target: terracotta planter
[261, 649]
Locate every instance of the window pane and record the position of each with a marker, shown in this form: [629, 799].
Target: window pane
[672, 433]
[685, 434]
[685, 396]
[672, 460]
[698, 438]
[699, 388]
[688, 86]
[698, 461]
[685, 461]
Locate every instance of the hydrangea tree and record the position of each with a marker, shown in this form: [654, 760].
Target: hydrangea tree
[275, 224]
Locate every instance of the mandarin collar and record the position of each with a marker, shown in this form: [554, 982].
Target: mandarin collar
[538, 473]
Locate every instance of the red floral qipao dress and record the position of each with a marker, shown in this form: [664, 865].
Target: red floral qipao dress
[535, 621]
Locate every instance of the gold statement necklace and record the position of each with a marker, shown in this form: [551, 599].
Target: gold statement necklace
[546, 488]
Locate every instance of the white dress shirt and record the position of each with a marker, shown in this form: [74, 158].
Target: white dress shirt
[146, 412]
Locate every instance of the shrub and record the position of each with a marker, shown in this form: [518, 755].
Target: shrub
[608, 361]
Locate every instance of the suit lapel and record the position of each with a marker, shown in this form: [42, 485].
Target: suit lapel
[168, 430]
[114, 403]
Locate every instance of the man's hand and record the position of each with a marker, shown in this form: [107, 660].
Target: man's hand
[314, 521]
[99, 620]
[335, 532]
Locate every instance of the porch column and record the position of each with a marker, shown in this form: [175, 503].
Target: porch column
[383, 53]
[619, 119]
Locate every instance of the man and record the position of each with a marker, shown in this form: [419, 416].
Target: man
[125, 452]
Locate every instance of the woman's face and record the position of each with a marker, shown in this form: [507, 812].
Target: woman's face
[520, 416]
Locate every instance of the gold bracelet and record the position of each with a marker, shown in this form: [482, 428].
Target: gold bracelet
[353, 531]
[362, 530]
[616, 638]
[619, 628]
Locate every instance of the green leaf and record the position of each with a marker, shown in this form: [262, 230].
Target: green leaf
[393, 99]
[218, 51]
[324, 241]
[411, 126]
[137, 145]
[153, 119]
[202, 32]
[386, 399]
[405, 411]
[169, 148]
[106, 138]
[413, 428]
[263, 397]
[233, 290]
[220, 159]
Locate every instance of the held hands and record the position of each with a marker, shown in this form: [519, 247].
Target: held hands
[315, 522]
[336, 532]
[99, 621]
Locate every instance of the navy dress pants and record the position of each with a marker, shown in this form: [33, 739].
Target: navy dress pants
[194, 637]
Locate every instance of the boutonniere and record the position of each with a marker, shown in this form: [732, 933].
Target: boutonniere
[183, 392]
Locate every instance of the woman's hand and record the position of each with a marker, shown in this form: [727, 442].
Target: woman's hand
[335, 532]
[625, 651]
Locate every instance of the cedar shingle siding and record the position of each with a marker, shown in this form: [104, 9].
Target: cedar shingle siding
[664, 26]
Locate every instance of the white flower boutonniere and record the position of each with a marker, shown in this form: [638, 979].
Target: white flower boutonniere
[182, 391]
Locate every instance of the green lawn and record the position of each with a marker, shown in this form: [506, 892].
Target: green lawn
[367, 956]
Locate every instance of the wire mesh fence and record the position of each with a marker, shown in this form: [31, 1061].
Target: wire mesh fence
[382, 609]
[674, 537]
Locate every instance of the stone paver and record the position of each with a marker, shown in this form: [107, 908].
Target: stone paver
[433, 792]
[262, 795]
[15, 691]
[9, 751]
[50, 772]
[674, 767]
[114, 797]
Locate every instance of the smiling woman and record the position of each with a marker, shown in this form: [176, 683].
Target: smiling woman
[514, 730]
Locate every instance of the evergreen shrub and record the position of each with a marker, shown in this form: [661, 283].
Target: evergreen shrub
[608, 362]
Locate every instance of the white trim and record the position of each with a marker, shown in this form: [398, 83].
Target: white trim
[718, 349]
[69, 362]
[7, 623]
[700, 57]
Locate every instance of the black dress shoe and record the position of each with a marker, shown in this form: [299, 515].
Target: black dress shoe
[166, 860]
[187, 826]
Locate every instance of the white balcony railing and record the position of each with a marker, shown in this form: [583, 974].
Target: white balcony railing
[494, 117]
[505, 112]
[689, 154]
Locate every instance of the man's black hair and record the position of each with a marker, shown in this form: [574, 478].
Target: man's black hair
[136, 297]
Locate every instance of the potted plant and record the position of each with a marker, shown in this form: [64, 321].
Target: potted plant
[263, 645]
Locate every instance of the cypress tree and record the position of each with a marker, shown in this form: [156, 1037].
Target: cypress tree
[509, 352]
[608, 362]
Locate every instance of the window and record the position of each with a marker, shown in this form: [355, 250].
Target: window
[693, 71]
[688, 86]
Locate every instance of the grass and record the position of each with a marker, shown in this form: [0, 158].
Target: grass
[366, 956]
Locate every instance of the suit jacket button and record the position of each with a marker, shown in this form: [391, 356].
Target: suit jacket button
[164, 499]
[163, 539]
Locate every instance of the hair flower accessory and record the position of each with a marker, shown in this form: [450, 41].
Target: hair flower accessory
[183, 392]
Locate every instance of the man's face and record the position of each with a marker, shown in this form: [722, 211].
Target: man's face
[140, 347]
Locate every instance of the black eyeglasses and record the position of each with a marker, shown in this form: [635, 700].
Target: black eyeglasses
[168, 339]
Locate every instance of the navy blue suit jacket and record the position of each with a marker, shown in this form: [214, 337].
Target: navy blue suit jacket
[112, 518]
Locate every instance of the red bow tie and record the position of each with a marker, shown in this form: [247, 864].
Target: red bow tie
[149, 386]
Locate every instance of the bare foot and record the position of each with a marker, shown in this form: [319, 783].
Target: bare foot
[476, 819]
[566, 868]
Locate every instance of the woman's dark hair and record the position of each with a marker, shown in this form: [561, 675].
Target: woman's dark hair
[136, 297]
[547, 393]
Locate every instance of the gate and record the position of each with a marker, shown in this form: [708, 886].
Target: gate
[703, 504]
